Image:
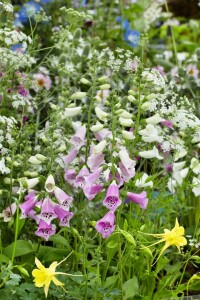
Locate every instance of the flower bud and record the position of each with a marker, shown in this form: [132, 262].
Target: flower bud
[62, 148]
[127, 135]
[125, 122]
[103, 79]
[78, 95]
[16, 164]
[132, 99]
[102, 115]
[146, 105]
[100, 147]
[33, 174]
[104, 87]
[85, 81]
[53, 106]
[96, 127]
[72, 111]
[34, 161]
[151, 96]
[41, 157]
[125, 114]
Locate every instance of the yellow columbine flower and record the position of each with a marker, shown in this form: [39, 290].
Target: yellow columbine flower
[174, 237]
[44, 276]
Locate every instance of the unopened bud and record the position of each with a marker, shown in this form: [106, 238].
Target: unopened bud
[78, 95]
[104, 87]
[85, 81]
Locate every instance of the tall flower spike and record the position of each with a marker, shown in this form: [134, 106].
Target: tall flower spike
[106, 225]
[112, 200]
[174, 237]
[140, 199]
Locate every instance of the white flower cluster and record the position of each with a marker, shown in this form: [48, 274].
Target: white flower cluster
[6, 139]
[12, 37]
[154, 77]
[19, 100]
[151, 14]
[15, 60]
[7, 7]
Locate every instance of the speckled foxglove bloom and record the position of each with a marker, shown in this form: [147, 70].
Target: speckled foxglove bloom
[63, 215]
[50, 184]
[90, 191]
[70, 157]
[127, 166]
[45, 230]
[8, 212]
[112, 200]
[95, 161]
[70, 176]
[106, 225]
[78, 139]
[151, 154]
[28, 205]
[93, 177]
[81, 178]
[63, 199]
[140, 199]
[102, 134]
[47, 211]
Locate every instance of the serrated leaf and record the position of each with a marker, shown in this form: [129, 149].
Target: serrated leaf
[130, 288]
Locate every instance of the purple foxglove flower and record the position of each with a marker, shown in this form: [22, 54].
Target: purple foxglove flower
[127, 166]
[47, 211]
[81, 178]
[45, 230]
[30, 195]
[8, 212]
[95, 161]
[106, 226]
[93, 177]
[112, 200]
[63, 199]
[78, 140]
[102, 134]
[91, 191]
[140, 199]
[70, 157]
[167, 123]
[70, 176]
[32, 214]
[28, 205]
[63, 215]
[118, 177]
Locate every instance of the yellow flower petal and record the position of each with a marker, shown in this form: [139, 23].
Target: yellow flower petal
[56, 281]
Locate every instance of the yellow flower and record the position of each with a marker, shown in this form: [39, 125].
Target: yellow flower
[174, 237]
[44, 276]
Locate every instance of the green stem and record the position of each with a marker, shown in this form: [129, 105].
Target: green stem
[120, 254]
[113, 138]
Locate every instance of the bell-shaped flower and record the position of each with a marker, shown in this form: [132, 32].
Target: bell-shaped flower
[140, 199]
[101, 115]
[144, 181]
[196, 186]
[195, 165]
[97, 127]
[72, 111]
[70, 176]
[99, 147]
[93, 177]
[127, 165]
[128, 135]
[80, 180]
[63, 199]
[8, 212]
[29, 183]
[47, 213]
[70, 157]
[151, 153]
[95, 161]
[154, 120]
[78, 139]
[126, 122]
[63, 216]
[179, 154]
[50, 184]
[124, 114]
[178, 172]
[106, 225]
[102, 134]
[28, 205]
[90, 191]
[45, 230]
[112, 200]
[150, 134]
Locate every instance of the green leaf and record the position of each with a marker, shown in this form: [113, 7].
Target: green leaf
[22, 248]
[196, 258]
[112, 244]
[111, 280]
[130, 288]
[4, 258]
[58, 239]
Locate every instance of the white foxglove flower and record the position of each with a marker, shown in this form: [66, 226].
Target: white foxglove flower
[142, 181]
[126, 122]
[50, 184]
[78, 95]
[154, 119]
[97, 127]
[100, 147]
[150, 134]
[179, 175]
[196, 188]
[72, 111]
[128, 135]
[180, 154]
[30, 183]
[125, 114]
[171, 185]
[195, 165]
[76, 125]
[34, 161]
[151, 154]
[102, 115]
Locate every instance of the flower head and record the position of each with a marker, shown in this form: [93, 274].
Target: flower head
[140, 199]
[112, 200]
[172, 237]
[106, 225]
[44, 276]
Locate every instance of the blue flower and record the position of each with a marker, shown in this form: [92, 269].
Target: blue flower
[125, 23]
[25, 10]
[46, 1]
[132, 37]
